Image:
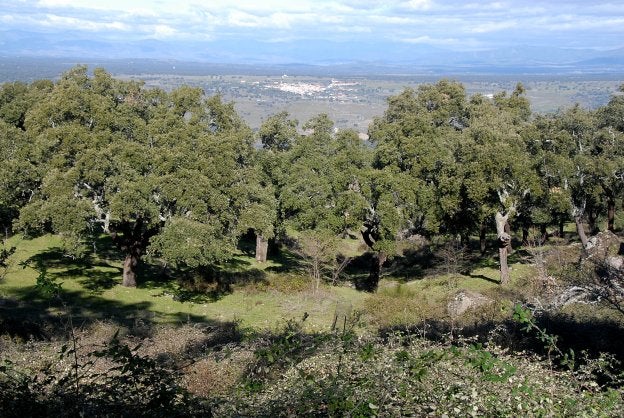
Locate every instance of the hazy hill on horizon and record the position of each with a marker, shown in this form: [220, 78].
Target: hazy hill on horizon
[362, 56]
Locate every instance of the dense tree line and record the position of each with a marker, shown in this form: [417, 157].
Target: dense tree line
[180, 177]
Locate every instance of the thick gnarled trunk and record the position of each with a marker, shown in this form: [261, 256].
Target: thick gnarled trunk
[374, 274]
[132, 239]
[378, 259]
[262, 247]
[508, 232]
[129, 270]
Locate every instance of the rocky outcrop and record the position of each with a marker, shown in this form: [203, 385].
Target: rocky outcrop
[465, 300]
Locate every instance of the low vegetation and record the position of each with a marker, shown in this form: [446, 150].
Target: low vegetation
[161, 258]
[326, 351]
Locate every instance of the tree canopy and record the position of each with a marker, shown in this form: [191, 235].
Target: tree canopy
[180, 177]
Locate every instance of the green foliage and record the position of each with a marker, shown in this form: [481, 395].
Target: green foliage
[323, 182]
[493, 369]
[46, 286]
[5, 253]
[409, 376]
[278, 132]
[141, 165]
[525, 317]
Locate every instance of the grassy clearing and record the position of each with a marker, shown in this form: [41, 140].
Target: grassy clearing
[263, 295]
[93, 291]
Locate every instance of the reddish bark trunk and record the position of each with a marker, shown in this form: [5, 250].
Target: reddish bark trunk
[129, 273]
[132, 238]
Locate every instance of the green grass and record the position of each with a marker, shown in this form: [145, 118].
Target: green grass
[263, 295]
[93, 290]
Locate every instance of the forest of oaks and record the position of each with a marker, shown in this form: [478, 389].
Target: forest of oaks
[179, 177]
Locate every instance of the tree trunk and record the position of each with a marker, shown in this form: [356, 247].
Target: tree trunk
[132, 241]
[508, 232]
[581, 231]
[591, 221]
[561, 227]
[482, 242]
[525, 235]
[611, 214]
[129, 274]
[504, 267]
[375, 271]
[543, 234]
[464, 240]
[316, 272]
[262, 246]
[503, 245]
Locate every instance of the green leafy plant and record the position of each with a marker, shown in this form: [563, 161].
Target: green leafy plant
[526, 318]
[47, 286]
[493, 369]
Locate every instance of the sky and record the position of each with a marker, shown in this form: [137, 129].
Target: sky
[454, 24]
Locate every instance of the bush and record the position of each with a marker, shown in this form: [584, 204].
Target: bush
[111, 381]
[408, 376]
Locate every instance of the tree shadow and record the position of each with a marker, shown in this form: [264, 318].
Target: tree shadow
[54, 257]
[486, 262]
[98, 281]
[289, 261]
[247, 243]
[593, 337]
[413, 263]
[104, 248]
[520, 256]
[30, 315]
[202, 284]
[483, 277]
[94, 275]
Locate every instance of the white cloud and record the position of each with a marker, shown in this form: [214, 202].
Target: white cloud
[163, 31]
[281, 20]
[432, 41]
[243, 19]
[75, 23]
[494, 26]
[419, 4]
[441, 22]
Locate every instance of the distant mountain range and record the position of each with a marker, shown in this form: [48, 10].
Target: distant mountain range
[353, 58]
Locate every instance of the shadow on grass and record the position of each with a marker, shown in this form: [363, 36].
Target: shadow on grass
[55, 258]
[520, 256]
[94, 275]
[289, 262]
[483, 277]
[29, 315]
[593, 337]
[199, 285]
[412, 265]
